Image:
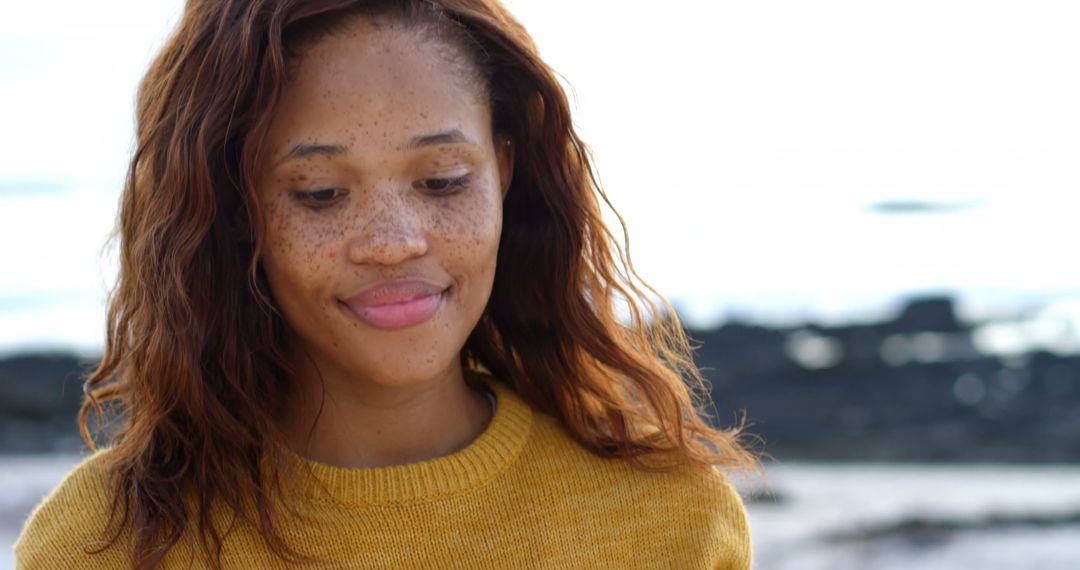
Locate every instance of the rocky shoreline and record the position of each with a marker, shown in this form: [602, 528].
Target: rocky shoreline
[915, 388]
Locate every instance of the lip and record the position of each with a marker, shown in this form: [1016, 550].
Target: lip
[396, 304]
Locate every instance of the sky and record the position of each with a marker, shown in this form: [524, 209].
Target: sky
[782, 160]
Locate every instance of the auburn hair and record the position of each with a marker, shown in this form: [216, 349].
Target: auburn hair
[195, 371]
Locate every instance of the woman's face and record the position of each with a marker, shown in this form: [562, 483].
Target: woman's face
[382, 190]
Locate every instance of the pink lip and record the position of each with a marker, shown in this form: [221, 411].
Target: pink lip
[396, 304]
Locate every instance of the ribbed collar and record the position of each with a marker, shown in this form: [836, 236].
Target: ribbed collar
[479, 462]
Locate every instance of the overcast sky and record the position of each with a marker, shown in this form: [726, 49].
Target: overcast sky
[808, 159]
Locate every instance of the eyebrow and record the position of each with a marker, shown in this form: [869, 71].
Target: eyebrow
[308, 150]
[446, 137]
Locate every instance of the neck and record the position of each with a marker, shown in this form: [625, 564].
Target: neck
[345, 421]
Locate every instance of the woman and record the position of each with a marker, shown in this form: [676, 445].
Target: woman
[366, 318]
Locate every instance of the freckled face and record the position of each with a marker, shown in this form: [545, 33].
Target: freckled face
[381, 165]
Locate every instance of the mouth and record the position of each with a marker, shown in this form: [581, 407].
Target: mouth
[398, 315]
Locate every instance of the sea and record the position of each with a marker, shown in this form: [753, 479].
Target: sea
[821, 516]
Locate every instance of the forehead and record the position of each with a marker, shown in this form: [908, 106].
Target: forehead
[366, 81]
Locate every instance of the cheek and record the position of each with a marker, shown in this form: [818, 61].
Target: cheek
[471, 228]
[297, 250]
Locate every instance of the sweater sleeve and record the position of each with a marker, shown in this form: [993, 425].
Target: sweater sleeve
[69, 524]
[723, 515]
[687, 517]
[703, 523]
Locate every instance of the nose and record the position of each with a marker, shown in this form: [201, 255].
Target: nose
[389, 231]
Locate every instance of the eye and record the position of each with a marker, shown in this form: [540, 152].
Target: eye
[441, 185]
[319, 198]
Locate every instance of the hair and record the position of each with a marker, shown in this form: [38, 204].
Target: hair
[196, 367]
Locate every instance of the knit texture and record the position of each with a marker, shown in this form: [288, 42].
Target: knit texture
[522, 495]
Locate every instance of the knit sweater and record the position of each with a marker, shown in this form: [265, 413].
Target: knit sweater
[522, 495]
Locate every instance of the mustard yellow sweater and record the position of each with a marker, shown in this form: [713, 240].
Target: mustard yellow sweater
[522, 495]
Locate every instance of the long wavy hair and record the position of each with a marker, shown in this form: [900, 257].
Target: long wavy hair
[195, 369]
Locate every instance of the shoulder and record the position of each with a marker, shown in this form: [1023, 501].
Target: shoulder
[691, 508]
[71, 521]
[714, 515]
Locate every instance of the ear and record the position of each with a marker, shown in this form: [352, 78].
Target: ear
[504, 154]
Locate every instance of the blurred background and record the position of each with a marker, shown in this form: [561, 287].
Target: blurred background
[864, 211]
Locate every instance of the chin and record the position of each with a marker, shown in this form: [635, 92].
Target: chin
[410, 370]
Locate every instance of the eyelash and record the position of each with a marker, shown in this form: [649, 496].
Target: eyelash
[311, 198]
[449, 185]
[326, 197]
